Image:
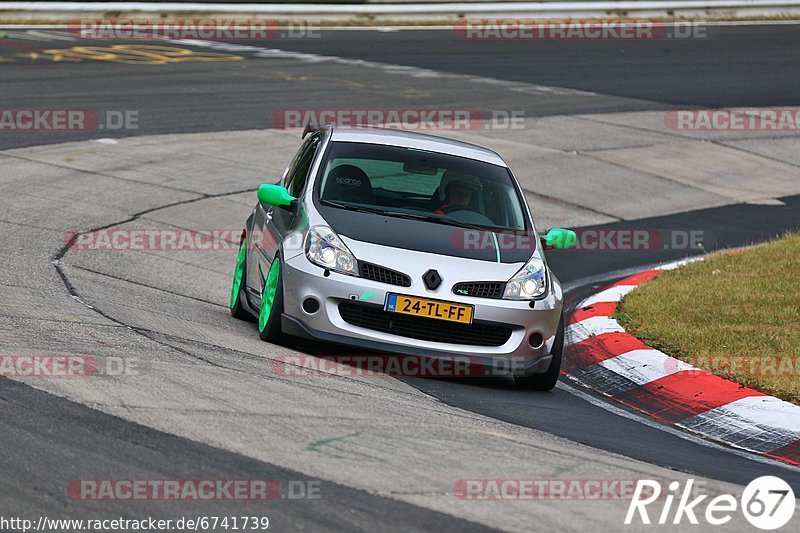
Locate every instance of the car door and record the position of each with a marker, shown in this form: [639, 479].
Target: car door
[270, 224]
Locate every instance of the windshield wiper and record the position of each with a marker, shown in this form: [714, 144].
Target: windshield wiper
[351, 207]
[437, 220]
[410, 216]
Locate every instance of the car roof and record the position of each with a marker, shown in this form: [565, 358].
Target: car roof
[413, 139]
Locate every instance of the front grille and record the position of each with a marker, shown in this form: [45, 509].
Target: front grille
[480, 289]
[383, 274]
[426, 329]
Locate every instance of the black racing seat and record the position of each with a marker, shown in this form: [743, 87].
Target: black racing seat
[348, 183]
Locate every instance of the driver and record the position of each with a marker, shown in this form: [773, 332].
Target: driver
[458, 194]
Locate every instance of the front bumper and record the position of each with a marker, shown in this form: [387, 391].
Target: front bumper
[302, 280]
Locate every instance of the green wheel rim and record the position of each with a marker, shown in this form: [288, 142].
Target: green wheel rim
[238, 272]
[268, 295]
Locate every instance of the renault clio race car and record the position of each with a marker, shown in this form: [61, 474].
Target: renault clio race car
[405, 243]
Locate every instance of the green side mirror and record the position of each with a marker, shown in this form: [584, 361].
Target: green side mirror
[275, 195]
[560, 239]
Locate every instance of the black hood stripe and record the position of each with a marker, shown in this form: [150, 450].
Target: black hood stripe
[422, 236]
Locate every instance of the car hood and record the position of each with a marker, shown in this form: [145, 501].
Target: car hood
[429, 237]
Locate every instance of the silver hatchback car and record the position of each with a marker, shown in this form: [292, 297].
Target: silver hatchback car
[404, 243]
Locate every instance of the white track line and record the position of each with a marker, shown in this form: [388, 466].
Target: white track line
[28, 36]
[52, 35]
[388, 68]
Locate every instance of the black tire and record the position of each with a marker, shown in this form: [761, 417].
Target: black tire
[272, 331]
[238, 310]
[546, 381]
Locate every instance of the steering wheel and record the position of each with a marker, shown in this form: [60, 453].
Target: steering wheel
[463, 213]
[452, 209]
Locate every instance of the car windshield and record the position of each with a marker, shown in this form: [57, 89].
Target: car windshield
[397, 181]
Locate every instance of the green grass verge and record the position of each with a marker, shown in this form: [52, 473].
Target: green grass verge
[734, 314]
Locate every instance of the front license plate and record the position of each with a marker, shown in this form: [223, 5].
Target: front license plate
[410, 305]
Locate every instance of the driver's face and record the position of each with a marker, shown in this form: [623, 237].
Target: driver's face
[460, 196]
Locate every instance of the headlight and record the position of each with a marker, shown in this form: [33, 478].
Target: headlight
[327, 250]
[529, 283]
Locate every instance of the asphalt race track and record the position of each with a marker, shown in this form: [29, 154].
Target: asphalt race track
[628, 76]
[204, 404]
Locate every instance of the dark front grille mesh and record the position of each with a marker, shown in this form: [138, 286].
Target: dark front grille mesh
[383, 274]
[427, 329]
[480, 289]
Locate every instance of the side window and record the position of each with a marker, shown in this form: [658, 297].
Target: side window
[298, 171]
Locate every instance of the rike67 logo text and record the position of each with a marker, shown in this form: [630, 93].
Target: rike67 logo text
[767, 503]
